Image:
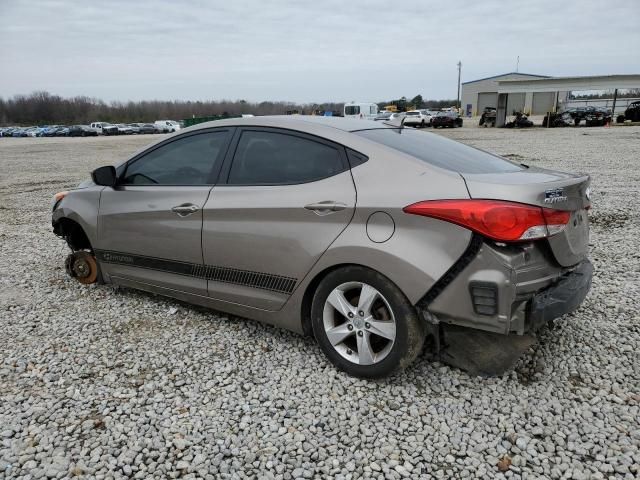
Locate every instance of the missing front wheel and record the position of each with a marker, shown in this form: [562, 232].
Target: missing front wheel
[82, 266]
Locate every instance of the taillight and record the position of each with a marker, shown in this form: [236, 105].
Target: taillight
[497, 219]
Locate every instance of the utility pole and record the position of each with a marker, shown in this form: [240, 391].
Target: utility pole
[459, 71]
[518, 64]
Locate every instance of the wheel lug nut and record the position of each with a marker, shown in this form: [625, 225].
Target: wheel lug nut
[350, 314]
[350, 327]
[349, 352]
[361, 313]
[360, 333]
[367, 325]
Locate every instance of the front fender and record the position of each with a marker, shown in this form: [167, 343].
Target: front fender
[80, 206]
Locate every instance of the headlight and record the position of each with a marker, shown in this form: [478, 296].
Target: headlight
[57, 198]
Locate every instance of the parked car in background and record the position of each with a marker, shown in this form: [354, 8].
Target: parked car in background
[82, 131]
[447, 119]
[389, 116]
[146, 128]
[598, 116]
[592, 116]
[62, 132]
[443, 254]
[110, 129]
[168, 126]
[135, 127]
[124, 129]
[417, 118]
[52, 130]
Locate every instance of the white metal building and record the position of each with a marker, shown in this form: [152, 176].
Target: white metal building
[537, 96]
[478, 94]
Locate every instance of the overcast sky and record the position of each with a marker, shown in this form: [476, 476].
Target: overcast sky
[303, 50]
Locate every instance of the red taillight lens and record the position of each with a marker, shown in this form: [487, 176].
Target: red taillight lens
[497, 219]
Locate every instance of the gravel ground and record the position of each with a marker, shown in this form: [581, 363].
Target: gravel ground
[107, 383]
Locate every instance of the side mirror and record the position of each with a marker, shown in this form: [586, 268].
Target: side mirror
[105, 176]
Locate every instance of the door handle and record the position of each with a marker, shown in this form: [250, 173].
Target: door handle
[326, 207]
[185, 209]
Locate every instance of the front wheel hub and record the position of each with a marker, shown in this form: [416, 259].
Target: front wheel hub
[82, 266]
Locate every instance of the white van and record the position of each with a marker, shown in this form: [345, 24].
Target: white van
[361, 110]
[167, 125]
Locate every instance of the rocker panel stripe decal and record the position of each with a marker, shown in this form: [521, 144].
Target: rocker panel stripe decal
[264, 281]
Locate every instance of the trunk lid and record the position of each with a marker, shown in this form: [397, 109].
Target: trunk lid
[548, 189]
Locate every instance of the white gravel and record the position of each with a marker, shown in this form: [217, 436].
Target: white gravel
[104, 383]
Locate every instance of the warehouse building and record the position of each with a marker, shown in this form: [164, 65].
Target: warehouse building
[535, 94]
[478, 94]
[542, 95]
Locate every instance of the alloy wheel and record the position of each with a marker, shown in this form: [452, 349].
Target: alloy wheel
[359, 323]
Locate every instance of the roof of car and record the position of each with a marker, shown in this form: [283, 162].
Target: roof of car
[293, 121]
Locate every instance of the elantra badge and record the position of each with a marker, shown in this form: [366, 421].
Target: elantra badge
[554, 195]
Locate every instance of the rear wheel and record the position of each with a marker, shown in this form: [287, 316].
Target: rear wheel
[364, 323]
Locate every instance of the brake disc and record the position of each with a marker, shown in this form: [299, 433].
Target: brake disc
[82, 266]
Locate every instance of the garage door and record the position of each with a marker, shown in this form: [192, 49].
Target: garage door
[515, 103]
[486, 99]
[542, 102]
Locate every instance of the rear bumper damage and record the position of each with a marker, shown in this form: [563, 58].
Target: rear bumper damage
[563, 297]
[496, 298]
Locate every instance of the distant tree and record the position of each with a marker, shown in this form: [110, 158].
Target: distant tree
[417, 101]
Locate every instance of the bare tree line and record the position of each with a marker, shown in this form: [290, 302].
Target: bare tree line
[43, 108]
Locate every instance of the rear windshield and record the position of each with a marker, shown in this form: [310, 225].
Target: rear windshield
[439, 151]
[351, 110]
[413, 114]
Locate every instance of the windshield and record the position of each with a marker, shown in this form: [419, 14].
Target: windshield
[439, 151]
[351, 110]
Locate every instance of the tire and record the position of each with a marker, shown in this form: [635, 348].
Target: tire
[389, 312]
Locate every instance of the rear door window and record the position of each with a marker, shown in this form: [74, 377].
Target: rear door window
[439, 151]
[268, 158]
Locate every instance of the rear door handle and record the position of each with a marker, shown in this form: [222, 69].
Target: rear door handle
[185, 209]
[326, 207]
